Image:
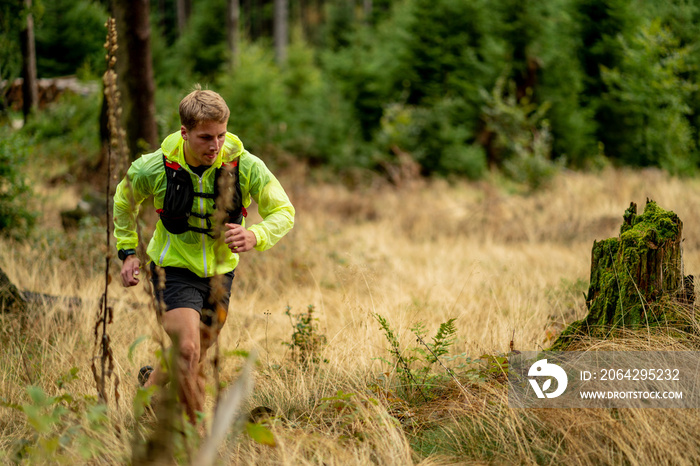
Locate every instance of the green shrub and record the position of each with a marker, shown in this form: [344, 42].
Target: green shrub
[649, 92]
[170, 68]
[167, 104]
[543, 43]
[69, 35]
[522, 135]
[16, 220]
[452, 48]
[64, 428]
[434, 138]
[307, 343]
[10, 55]
[421, 369]
[292, 109]
[203, 47]
[256, 96]
[67, 130]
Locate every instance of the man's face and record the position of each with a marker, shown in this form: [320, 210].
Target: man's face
[203, 142]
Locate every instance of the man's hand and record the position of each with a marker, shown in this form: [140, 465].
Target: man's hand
[239, 239]
[130, 271]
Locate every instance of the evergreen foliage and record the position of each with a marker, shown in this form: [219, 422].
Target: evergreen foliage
[69, 36]
[543, 40]
[10, 56]
[523, 87]
[16, 218]
[68, 130]
[522, 137]
[649, 92]
[294, 109]
[202, 48]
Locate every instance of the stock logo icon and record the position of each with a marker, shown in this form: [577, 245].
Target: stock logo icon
[542, 369]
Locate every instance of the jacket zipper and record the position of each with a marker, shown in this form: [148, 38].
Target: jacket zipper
[202, 225]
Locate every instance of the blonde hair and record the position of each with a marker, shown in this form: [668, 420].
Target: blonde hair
[202, 105]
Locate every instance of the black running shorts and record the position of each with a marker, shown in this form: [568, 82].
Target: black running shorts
[184, 288]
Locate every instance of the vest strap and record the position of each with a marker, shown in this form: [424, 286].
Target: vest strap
[178, 202]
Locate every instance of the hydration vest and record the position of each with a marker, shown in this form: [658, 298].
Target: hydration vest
[180, 194]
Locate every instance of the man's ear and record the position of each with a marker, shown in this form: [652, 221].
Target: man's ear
[183, 132]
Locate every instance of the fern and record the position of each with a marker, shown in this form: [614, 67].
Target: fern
[443, 340]
[403, 368]
[417, 362]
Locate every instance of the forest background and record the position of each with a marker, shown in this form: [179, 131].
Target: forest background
[451, 163]
[459, 87]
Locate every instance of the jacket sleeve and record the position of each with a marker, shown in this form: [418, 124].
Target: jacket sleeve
[274, 205]
[130, 193]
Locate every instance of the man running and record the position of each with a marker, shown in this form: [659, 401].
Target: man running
[191, 253]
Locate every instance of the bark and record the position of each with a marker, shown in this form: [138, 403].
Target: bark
[367, 10]
[637, 279]
[15, 301]
[30, 88]
[11, 299]
[234, 16]
[281, 36]
[135, 69]
[183, 14]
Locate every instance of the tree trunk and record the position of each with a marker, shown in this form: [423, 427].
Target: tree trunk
[636, 278]
[234, 16]
[183, 15]
[136, 75]
[280, 33]
[30, 88]
[367, 11]
[162, 14]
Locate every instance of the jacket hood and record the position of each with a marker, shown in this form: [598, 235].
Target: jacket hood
[173, 149]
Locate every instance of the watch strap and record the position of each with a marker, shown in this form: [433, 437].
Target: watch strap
[124, 253]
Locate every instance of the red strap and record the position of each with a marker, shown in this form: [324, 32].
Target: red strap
[173, 165]
[244, 212]
[159, 211]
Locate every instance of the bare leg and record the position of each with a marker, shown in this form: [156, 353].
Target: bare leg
[182, 325]
[207, 337]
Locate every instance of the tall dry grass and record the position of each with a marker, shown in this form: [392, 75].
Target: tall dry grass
[505, 266]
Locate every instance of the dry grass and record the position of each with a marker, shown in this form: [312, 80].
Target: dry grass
[504, 265]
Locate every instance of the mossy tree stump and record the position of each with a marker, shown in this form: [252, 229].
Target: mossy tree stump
[635, 276]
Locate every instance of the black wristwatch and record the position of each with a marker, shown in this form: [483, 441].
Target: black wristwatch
[124, 253]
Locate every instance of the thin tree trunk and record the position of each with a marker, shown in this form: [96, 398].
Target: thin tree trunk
[162, 14]
[281, 31]
[234, 17]
[367, 10]
[30, 89]
[183, 14]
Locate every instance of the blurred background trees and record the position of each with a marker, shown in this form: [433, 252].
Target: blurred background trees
[521, 87]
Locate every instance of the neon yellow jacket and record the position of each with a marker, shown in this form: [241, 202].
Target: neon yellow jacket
[196, 251]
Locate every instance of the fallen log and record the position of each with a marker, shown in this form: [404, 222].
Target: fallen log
[14, 300]
[70, 303]
[11, 300]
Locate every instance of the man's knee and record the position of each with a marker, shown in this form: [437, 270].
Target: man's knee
[189, 353]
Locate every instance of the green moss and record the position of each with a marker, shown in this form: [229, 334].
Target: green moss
[626, 274]
[654, 224]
